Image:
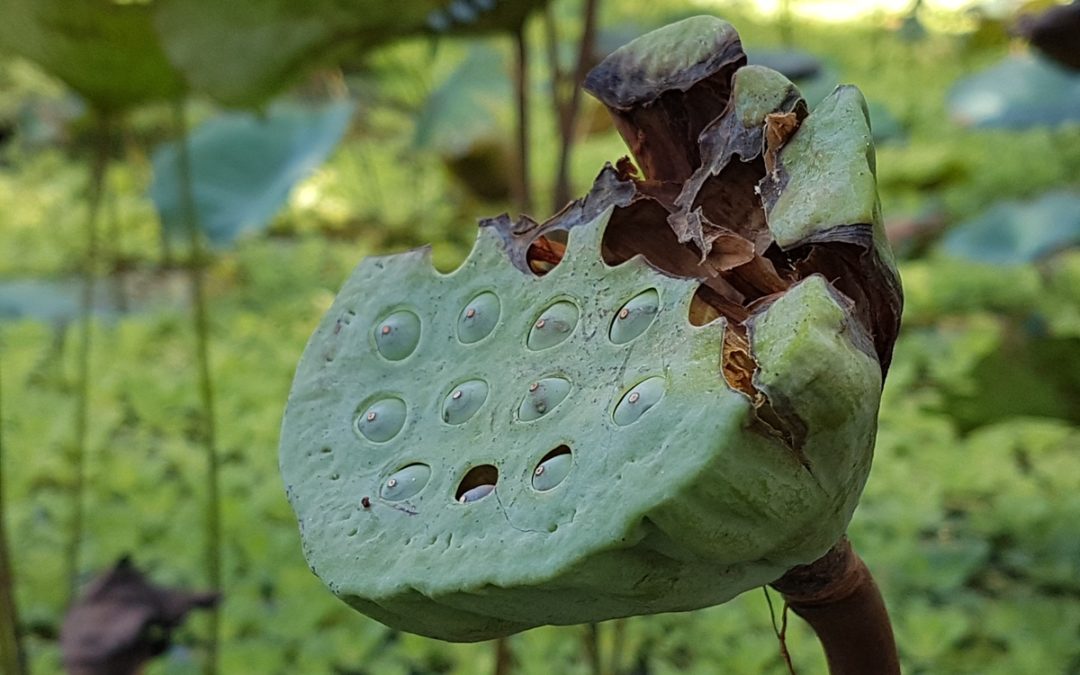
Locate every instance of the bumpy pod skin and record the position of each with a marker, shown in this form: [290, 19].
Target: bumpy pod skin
[680, 507]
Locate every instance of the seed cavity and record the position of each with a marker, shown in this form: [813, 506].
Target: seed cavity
[638, 401]
[554, 325]
[382, 419]
[552, 469]
[397, 335]
[635, 316]
[542, 397]
[478, 483]
[478, 318]
[405, 482]
[463, 401]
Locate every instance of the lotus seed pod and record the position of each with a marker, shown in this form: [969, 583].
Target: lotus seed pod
[681, 409]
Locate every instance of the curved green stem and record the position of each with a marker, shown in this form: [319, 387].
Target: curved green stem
[12, 657]
[197, 262]
[98, 167]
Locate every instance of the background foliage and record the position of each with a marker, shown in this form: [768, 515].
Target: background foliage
[971, 520]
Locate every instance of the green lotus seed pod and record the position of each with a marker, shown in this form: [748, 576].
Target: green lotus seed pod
[396, 335]
[717, 436]
[478, 318]
[381, 420]
[634, 317]
[553, 325]
[463, 401]
[542, 397]
[552, 471]
[638, 401]
[405, 483]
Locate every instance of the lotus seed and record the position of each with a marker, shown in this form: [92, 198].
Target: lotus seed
[638, 401]
[463, 402]
[554, 325]
[382, 419]
[398, 335]
[476, 494]
[553, 469]
[543, 396]
[406, 483]
[479, 318]
[634, 317]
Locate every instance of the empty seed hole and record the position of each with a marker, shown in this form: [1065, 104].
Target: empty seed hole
[478, 483]
[546, 252]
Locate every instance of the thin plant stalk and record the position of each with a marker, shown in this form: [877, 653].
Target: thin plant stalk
[12, 656]
[592, 648]
[618, 645]
[196, 266]
[504, 657]
[568, 112]
[98, 168]
[522, 187]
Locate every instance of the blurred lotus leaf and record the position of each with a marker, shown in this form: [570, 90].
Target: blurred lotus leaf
[1018, 232]
[106, 51]
[244, 165]
[1017, 93]
[464, 121]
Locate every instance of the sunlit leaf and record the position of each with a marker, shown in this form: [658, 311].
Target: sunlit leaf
[244, 166]
[106, 51]
[1018, 92]
[468, 108]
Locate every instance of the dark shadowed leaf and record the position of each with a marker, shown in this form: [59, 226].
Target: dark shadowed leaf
[105, 50]
[245, 165]
[241, 52]
[1018, 92]
[1017, 232]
